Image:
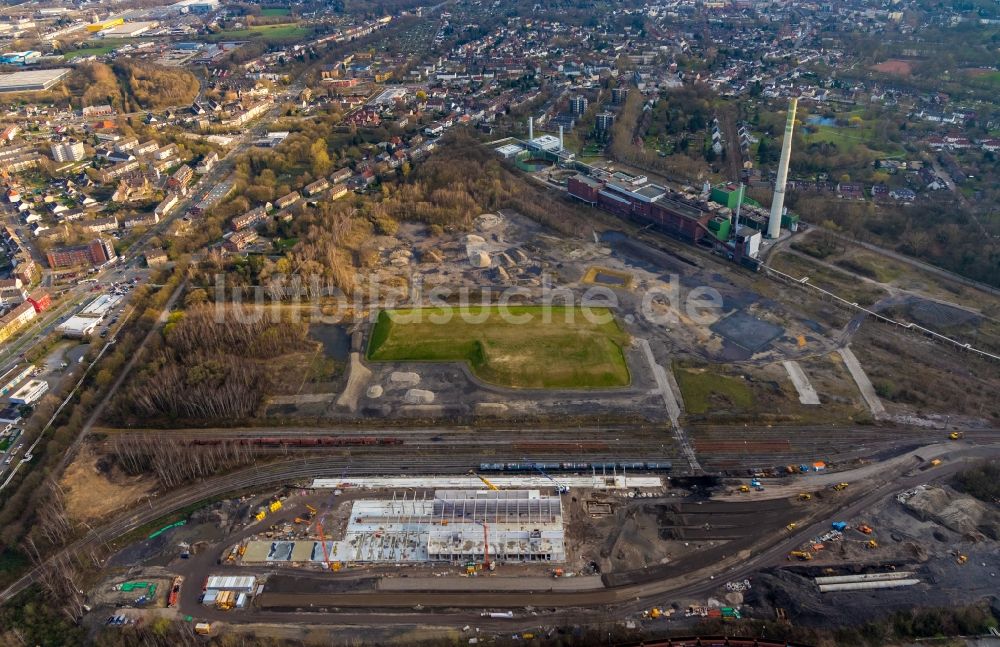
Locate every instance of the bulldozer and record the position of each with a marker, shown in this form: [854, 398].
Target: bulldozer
[805, 496]
[872, 544]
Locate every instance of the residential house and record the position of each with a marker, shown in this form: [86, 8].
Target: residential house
[237, 241]
[318, 186]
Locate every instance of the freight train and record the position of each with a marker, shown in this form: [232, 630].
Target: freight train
[307, 441]
[602, 467]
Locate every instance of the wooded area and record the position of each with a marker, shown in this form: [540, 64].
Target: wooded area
[210, 365]
[128, 86]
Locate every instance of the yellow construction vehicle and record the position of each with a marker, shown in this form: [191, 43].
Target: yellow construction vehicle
[260, 515]
[872, 544]
[801, 555]
[744, 488]
[485, 481]
[311, 509]
[962, 559]
[791, 526]
[275, 506]
[805, 496]
[655, 613]
[935, 462]
[336, 566]
[840, 486]
[955, 435]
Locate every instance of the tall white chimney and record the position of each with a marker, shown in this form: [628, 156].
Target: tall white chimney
[778, 202]
[560, 138]
[531, 128]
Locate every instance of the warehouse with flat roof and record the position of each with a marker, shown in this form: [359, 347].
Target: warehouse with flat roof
[32, 80]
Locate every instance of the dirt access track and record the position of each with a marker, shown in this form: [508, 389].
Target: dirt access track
[767, 549]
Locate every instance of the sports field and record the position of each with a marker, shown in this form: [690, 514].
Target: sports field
[278, 32]
[565, 350]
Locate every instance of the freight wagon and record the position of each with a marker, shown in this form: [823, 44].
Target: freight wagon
[602, 467]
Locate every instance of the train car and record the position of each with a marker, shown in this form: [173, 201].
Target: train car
[602, 467]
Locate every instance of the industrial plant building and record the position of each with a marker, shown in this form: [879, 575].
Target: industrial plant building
[455, 526]
[31, 81]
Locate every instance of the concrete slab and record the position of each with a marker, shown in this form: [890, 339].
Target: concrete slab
[670, 401]
[357, 380]
[864, 384]
[807, 394]
[609, 482]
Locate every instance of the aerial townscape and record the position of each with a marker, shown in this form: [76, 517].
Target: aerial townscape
[499, 322]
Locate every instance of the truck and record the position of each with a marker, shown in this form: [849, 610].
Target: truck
[839, 525]
[203, 628]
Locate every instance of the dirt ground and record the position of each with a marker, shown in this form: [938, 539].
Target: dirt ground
[894, 66]
[93, 494]
[910, 539]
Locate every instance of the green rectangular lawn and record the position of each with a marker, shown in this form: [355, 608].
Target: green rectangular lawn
[704, 391]
[559, 353]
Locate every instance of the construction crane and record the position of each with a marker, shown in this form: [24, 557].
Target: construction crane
[485, 481]
[487, 564]
[322, 542]
[560, 488]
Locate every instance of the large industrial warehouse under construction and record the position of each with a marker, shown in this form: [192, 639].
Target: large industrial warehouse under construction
[448, 526]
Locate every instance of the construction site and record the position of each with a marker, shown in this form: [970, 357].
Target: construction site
[770, 455]
[478, 549]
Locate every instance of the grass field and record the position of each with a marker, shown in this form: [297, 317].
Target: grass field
[280, 32]
[100, 50]
[567, 351]
[704, 391]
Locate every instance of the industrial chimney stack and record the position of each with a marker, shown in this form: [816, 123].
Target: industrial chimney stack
[778, 203]
[531, 128]
[560, 138]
